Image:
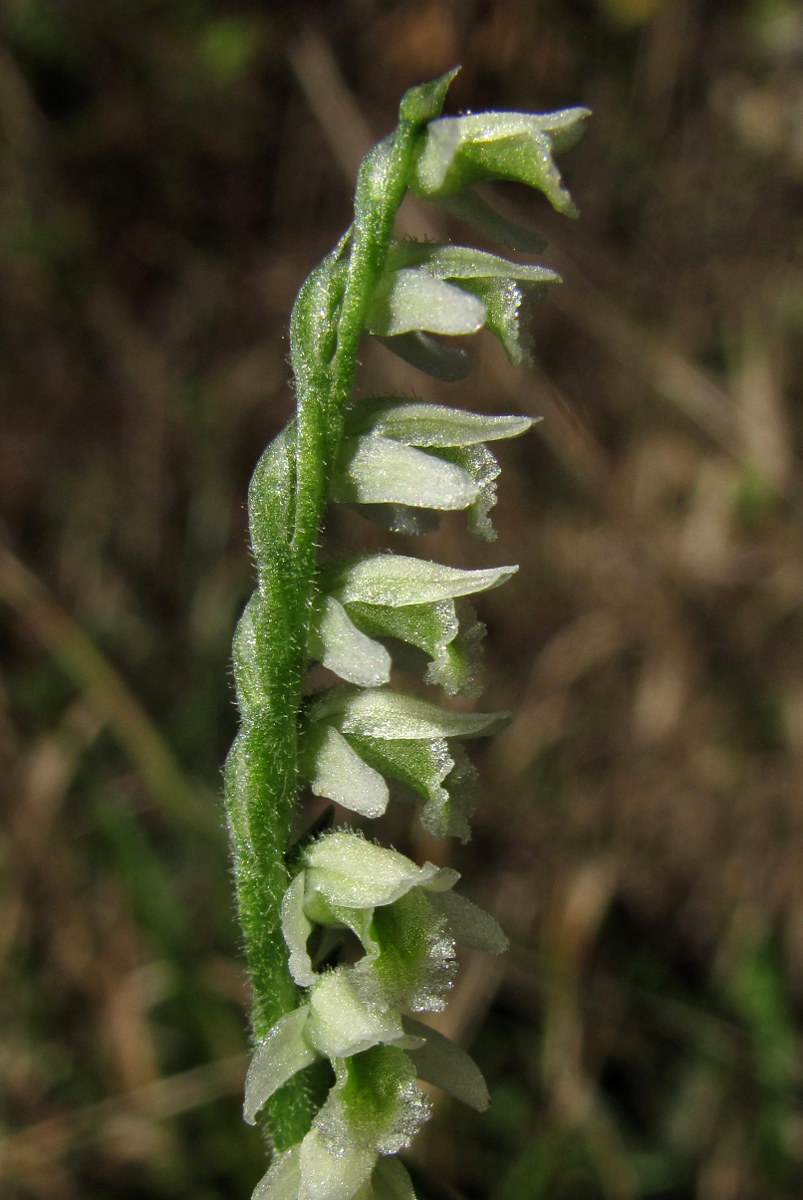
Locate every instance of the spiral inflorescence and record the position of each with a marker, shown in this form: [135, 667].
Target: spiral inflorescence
[339, 1054]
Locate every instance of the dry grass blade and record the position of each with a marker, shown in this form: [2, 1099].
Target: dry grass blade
[108, 694]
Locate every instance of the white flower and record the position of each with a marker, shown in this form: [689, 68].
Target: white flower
[402, 460]
[409, 600]
[352, 738]
[374, 1109]
[457, 152]
[456, 290]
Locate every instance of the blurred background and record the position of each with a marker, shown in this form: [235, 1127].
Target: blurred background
[170, 170]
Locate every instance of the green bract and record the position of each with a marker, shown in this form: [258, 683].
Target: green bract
[455, 289]
[345, 938]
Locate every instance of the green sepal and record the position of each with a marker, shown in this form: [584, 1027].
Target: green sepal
[471, 925]
[398, 580]
[400, 518]
[248, 651]
[438, 771]
[438, 359]
[425, 101]
[470, 206]
[386, 714]
[430, 426]
[439, 1061]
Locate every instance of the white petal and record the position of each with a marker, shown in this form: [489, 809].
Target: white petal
[328, 1176]
[282, 1180]
[448, 261]
[410, 299]
[296, 928]
[341, 1025]
[383, 713]
[380, 470]
[341, 775]
[348, 652]
[282, 1052]
[421, 423]
[352, 872]
[397, 580]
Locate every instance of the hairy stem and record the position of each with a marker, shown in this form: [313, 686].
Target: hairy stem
[286, 501]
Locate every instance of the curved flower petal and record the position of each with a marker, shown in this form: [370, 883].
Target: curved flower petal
[296, 928]
[352, 872]
[378, 470]
[341, 1024]
[335, 770]
[408, 299]
[416, 423]
[397, 580]
[283, 1179]
[337, 642]
[327, 1174]
[284, 1051]
[383, 713]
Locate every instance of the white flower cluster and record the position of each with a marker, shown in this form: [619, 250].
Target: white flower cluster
[407, 920]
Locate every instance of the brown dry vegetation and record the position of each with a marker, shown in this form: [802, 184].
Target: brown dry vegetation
[169, 172]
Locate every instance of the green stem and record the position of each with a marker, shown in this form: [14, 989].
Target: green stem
[287, 500]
